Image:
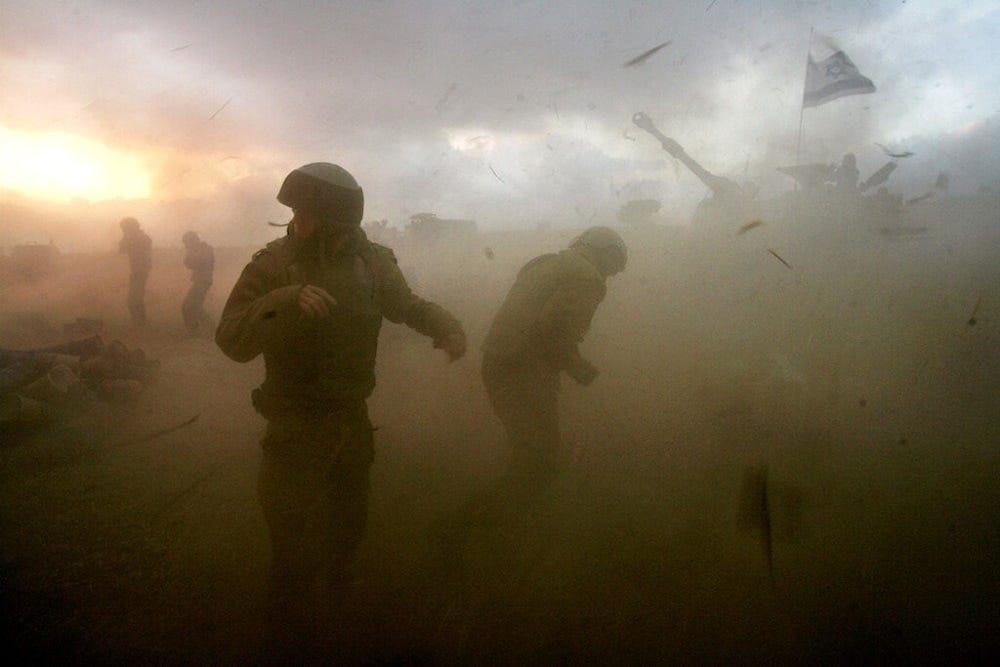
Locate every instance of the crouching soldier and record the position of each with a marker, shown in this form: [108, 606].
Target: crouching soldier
[533, 339]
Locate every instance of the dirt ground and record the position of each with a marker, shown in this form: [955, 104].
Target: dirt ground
[854, 374]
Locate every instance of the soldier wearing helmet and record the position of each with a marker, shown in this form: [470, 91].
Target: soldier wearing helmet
[199, 257]
[535, 337]
[312, 303]
[139, 247]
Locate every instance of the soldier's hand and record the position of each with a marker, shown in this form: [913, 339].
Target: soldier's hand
[316, 301]
[583, 372]
[453, 344]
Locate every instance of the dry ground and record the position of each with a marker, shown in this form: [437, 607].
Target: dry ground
[854, 375]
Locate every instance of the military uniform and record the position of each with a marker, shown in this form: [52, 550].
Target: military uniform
[534, 337]
[139, 247]
[318, 447]
[200, 258]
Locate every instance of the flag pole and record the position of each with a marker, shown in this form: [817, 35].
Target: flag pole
[802, 107]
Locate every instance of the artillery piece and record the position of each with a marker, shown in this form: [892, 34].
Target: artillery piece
[721, 187]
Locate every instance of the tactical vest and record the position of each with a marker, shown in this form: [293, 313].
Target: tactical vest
[320, 364]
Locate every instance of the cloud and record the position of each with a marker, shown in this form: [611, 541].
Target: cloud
[384, 87]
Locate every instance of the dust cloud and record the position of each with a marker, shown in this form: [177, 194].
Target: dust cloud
[856, 361]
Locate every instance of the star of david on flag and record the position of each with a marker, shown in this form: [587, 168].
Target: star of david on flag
[831, 78]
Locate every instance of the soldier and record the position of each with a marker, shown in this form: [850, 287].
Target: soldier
[845, 177]
[200, 258]
[533, 338]
[312, 303]
[137, 245]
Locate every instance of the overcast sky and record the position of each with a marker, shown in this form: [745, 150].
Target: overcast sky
[510, 113]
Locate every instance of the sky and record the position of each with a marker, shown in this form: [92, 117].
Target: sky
[512, 113]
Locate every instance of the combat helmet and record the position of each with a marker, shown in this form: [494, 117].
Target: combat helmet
[129, 224]
[326, 190]
[189, 238]
[611, 252]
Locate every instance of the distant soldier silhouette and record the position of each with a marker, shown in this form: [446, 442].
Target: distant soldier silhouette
[139, 247]
[200, 259]
[845, 177]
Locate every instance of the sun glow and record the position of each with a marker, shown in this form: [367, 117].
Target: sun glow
[60, 167]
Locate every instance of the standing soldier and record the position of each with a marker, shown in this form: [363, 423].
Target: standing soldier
[200, 258]
[845, 177]
[312, 303]
[137, 245]
[534, 337]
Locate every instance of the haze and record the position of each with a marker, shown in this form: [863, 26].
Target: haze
[511, 114]
[847, 350]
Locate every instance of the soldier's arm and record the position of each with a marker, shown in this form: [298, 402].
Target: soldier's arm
[401, 305]
[256, 312]
[565, 319]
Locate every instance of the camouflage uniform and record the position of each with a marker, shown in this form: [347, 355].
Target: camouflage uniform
[200, 258]
[318, 447]
[534, 337]
[139, 247]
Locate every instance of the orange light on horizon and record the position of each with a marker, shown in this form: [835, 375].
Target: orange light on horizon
[59, 167]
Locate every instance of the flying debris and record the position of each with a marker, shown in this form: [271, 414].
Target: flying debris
[972, 318]
[496, 174]
[644, 56]
[879, 177]
[778, 257]
[488, 251]
[478, 142]
[627, 135]
[891, 154]
[156, 434]
[219, 110]
[770, 509]
[179, 48]
[753, 224]
[923, 197]
[755, 512]
[444, 98]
